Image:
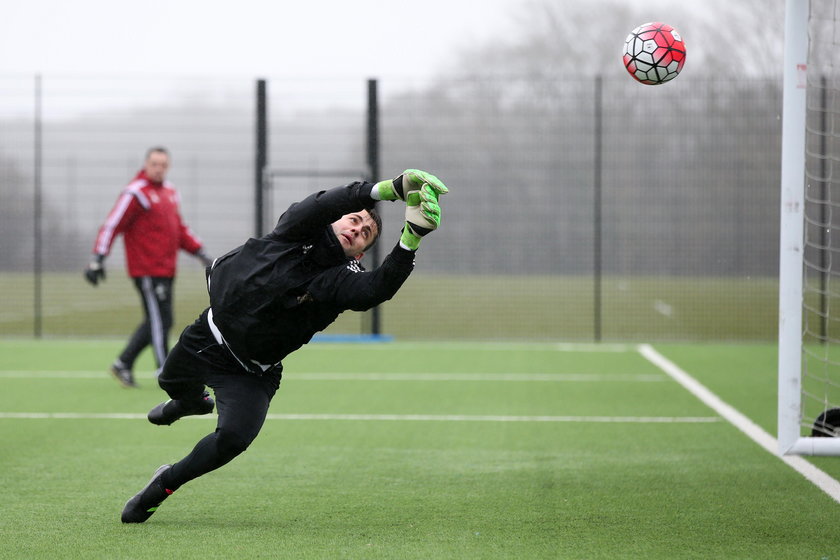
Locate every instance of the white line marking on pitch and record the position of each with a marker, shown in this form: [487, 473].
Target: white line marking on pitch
[556, 377]
[491, 346]
[822, 480]
[383, 417]
[323, 376]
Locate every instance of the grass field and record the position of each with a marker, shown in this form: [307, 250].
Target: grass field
[481, 307]
[419, 450]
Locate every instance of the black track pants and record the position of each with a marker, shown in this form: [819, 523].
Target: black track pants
[156, 297]
[242, 399]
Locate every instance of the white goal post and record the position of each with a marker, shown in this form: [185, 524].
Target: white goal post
[808, 375]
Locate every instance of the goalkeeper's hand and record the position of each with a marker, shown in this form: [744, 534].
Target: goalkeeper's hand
[409, 180]
[422, 215]
[95, 270]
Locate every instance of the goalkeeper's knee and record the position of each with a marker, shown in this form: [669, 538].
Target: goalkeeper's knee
[230, 444]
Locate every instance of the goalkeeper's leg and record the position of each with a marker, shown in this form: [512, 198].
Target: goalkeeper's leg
[242, 402]
[184, 374]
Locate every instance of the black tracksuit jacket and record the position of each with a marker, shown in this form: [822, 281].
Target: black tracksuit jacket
[272, 294]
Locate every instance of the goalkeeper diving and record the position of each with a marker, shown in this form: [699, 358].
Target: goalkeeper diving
[268, 298]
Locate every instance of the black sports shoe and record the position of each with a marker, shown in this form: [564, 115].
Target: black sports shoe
[123, 374]
[167, 412]
[141, 507]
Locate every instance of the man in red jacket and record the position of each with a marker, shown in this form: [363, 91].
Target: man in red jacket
[146, 214]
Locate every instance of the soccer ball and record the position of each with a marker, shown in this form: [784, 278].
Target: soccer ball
[654, 53]
[827, 424]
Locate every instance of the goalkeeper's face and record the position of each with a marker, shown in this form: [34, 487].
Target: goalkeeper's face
[355, 231]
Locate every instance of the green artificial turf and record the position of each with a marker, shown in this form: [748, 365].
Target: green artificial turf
[415, 450]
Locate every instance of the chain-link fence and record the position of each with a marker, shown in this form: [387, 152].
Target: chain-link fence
[579, 210]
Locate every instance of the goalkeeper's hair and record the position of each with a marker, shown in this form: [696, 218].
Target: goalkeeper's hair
[377, 219]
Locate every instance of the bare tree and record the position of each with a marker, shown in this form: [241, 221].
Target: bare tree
[685, 165]
[573, 40]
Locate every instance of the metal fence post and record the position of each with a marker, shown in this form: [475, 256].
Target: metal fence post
[261, 159]
[597, 207]
[373, 176]
[37, 212]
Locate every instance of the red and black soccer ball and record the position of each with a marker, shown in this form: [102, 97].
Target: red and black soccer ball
[654, 53]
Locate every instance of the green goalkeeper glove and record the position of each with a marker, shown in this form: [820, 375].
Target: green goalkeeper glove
[422, 215]
[409, 180]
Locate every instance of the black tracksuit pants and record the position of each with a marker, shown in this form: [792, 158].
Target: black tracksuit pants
[242, 399]
[156, 297]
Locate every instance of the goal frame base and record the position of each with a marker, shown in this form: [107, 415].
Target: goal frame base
[820, 446]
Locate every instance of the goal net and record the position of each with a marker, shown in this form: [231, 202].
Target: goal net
[809, 333]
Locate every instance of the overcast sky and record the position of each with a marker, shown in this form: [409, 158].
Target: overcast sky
[344, 41]
[271, 38]
[337, 38]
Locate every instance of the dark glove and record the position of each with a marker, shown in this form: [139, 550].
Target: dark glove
[205, 259]
[95, 270]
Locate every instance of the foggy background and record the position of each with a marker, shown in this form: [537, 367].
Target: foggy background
[501, 106]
